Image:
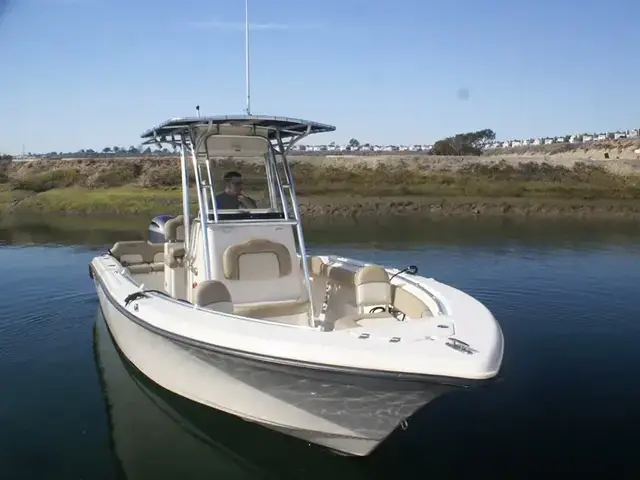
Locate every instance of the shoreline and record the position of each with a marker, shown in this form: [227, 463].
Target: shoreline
[372, 187]
[150, 202]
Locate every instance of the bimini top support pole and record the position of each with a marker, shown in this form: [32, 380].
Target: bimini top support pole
[185, 194]
[296, 213]
[203, 209]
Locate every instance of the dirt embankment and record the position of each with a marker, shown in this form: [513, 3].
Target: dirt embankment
[342, 185]
[618, 156]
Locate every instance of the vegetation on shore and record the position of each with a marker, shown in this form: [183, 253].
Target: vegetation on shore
[150, 186]
[464, 144]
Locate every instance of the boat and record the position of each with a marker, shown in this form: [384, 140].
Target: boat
[225, 306]
[154, 433]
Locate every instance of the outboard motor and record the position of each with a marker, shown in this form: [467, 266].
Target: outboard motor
[156, 228]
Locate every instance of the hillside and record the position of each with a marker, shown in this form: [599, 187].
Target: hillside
[345, 185]
[625, 150]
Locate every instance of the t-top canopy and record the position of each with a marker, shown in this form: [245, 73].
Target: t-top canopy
[288, 127]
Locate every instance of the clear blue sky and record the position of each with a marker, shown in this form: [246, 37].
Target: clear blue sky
[91, 73]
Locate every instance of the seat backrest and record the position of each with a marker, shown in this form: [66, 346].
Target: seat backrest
[174, 229]
[256, 259]
[130, 252]
[213, 295]
[372, 287]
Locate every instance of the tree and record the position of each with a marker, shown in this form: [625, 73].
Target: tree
[470, 143]
[353, 143]
[106, 149]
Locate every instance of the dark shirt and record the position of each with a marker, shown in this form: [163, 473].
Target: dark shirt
[224, 201]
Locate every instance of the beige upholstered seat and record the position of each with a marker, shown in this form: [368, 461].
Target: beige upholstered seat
[272, 289]
[132, 252]
[373, 289]
[171, 228]
[256, 259]
[273, 309]
[146, 268]
[174, 256]
[174, 229]
[213, 295]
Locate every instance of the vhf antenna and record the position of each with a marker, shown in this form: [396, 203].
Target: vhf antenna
[246, 55]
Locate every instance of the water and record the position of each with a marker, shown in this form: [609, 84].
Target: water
[566, 296]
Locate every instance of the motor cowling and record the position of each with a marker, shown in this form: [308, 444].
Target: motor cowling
[155, 233]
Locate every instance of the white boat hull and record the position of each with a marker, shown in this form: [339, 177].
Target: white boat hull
[324, 408]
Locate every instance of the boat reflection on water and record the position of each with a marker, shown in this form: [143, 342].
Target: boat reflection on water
[157, 434]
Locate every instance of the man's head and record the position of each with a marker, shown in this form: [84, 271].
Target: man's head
[233, 183]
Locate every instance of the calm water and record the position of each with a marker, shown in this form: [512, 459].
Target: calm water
[567, 296]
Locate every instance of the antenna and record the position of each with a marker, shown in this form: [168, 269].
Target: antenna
[246, 55]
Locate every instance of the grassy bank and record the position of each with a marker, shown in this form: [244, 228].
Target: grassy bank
[399, 187]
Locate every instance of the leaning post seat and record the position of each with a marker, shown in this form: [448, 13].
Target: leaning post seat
[262, 274]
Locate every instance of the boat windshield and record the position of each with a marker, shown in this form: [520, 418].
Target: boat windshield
[241, 185]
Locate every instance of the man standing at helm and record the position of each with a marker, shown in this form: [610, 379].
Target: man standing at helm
[233, 196]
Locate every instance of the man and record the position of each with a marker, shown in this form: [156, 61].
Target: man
[233, 197]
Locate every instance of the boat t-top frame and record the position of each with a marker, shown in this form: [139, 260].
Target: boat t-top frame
[237, 136]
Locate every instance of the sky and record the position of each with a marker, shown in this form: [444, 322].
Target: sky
[95, 73]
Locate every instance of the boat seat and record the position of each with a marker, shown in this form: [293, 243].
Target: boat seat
[174, 255]
[213, 295]
[319, 269]
[256, 259]
[131, 252]
[373, 289]
[273, 309]
[403, 300]
[409, 304]
[146, 268]
[363, 320]
[174, 229]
